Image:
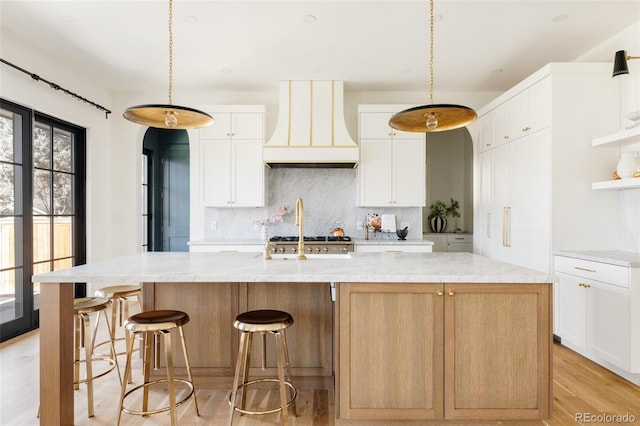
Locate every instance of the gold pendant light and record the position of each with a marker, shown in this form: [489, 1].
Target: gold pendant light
[432, 117]
[168, 116]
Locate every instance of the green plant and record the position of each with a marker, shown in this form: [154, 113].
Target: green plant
[439, 208]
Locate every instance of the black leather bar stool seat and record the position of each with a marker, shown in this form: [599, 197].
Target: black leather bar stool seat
[263, 322]
[151, 325]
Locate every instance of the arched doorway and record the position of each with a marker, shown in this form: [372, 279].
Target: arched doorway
[166, 208]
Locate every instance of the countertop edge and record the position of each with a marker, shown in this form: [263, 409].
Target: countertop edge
[612, 257]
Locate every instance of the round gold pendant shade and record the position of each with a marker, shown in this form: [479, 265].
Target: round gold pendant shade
[159, 116]
[168, 116]
[433, 117]
[448, 117]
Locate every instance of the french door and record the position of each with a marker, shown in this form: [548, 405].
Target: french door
[42, 205]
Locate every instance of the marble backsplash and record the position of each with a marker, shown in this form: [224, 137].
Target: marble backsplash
[629, 211]
[329, 197]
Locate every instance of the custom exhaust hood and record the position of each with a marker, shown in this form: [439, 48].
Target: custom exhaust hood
[311, 131]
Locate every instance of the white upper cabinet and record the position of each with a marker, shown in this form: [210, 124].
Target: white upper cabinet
[392, 163]
[231, 165]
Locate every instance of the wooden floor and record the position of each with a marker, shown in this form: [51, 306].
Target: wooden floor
[580, 386]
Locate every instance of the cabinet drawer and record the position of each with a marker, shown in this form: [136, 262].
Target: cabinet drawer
[459, 238]
[610, 274]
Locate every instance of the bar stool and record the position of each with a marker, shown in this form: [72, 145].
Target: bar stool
[152, 324]
[263, 322]
[82, 308]
[119, 295]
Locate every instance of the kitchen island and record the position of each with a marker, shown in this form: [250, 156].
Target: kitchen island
[443, 336]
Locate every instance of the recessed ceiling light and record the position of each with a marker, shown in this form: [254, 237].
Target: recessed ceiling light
[316, 71]
[497, 71]
[309, 19]
[438, 18]
[406, 71]
[560, 18]
[69, 19]
[226, 70]
[190, 19]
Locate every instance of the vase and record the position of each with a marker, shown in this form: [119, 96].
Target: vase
[626, 165]
[265, 233]
[438, 224]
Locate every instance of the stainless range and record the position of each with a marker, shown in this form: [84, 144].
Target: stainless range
[312, 245]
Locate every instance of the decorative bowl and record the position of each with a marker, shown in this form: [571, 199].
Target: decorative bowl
[633, 115]
[402, 233]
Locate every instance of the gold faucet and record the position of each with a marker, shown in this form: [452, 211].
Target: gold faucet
[300, 224]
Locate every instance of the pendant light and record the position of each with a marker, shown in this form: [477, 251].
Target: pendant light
[432, 117]
[168, 116]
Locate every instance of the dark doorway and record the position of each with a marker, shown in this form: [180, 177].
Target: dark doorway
[167, 215]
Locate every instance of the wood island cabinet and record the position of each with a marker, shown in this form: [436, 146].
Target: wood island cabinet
[444, 351]
[213, 341]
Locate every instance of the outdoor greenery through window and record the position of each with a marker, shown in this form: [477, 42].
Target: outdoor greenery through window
[42, 225]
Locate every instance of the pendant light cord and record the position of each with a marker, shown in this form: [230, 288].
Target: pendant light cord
[431, 24]
[170, 52]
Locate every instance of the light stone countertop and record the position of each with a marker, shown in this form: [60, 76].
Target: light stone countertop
[393, 241]
[612, 257]
[251, 267]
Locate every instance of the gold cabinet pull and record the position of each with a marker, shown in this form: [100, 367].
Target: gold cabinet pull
[440, 293]
[526, 129]
[506, 226]
[584, 269]
[585, 285]
[451, 293]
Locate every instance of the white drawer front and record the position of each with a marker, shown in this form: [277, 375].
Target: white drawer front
[607, 273]
[459, 238]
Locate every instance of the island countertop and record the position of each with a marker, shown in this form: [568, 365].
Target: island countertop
[252, 267]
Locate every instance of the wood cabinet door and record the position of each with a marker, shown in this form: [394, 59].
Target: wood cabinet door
[497, 351]
[309, 339]
[391, 351]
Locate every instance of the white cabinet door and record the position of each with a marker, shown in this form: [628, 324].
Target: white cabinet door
[485, 133]
[572, 312]
[375, 125]
[530, 213]
[483, 240]
[501, 125]
[409, 166]
[241, 125]
[501, 203]
[216, 172]
[540, 105]
[519, 115]
[375, 173]
[248, 173]
[609, 323]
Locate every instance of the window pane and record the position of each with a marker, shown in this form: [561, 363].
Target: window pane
[42, 146]
[7, 243]
[62, 237]
[7, 135]
[62, 143]
[7, 189]
[62, 264]
[10, 300]
[41, 238]
[62, 193]
[41, 192]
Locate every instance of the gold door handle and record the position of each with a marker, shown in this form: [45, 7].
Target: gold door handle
[584, 269]
[440, 293]
[506, 226]
[526, 129]
[585, 285]
[450, 293]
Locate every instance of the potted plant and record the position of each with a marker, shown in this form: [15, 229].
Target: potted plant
[439, 212]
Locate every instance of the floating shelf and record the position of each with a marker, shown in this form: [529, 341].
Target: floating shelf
[617, 184]
[621, 137]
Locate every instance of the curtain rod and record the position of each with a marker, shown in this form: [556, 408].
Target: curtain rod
[55, 86]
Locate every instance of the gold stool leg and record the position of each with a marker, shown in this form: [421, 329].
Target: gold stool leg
[188, 365]
[88, 351]
[127, 374]
[286, 355]
[283, 391]
[148, 337]
[172, 387]
[246, 364]
[114, 354]
[236, 377]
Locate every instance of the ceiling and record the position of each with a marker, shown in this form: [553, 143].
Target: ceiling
[371, 45]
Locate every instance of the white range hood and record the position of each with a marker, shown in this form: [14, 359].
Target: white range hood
[311, 131]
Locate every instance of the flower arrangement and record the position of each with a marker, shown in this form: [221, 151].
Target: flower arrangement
[277, 216]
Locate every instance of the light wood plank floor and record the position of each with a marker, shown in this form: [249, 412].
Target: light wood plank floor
[580, 386]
